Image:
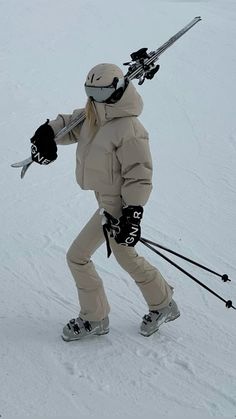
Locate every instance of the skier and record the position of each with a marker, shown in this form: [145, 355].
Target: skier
[112, 159]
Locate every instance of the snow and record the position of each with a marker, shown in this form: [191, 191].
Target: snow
[188, 369]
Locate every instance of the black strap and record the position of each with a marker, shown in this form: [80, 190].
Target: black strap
[105, 232]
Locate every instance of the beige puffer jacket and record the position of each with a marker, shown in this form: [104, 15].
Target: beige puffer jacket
[115, 159]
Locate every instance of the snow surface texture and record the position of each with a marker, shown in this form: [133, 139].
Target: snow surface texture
[188, 369]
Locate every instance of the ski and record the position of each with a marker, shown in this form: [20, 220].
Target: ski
[142, 67]
[142, 64]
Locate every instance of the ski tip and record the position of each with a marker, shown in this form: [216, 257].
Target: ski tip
[198, 18]
[15, 165]
[23, 171]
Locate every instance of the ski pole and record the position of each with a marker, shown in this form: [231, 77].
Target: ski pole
[228, 303]
[224, 277]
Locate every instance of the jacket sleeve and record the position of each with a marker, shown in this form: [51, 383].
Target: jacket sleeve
[136, 169]
[61, 121]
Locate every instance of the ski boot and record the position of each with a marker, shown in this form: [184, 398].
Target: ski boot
[78, 329]
[154, 319]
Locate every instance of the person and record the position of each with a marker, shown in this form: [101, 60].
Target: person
[113, 159]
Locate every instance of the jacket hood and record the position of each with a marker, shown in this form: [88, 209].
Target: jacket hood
[130, 104]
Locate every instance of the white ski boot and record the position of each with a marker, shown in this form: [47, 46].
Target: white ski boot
[78, 329]
[154, 319]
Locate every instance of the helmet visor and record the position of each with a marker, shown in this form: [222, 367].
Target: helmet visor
[103, 93]
[99, 93]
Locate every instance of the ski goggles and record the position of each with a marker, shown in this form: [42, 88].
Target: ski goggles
[103, 93]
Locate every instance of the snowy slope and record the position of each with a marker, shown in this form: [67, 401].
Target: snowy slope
[189, 368]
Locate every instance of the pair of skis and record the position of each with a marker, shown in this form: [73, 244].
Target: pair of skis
[143, 66]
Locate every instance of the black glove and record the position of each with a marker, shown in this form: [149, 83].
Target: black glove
[44, 148]
[127, 230]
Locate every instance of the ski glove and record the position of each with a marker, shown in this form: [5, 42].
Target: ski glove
[44, 148]
[126, 230]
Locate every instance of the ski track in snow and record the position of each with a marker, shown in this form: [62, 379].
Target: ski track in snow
[188, 368]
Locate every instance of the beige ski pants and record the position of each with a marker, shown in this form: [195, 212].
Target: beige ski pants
[92, 298]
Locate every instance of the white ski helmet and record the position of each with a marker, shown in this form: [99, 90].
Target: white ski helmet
[105, 83]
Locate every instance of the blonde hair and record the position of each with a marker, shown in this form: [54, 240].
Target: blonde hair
[91, 114]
